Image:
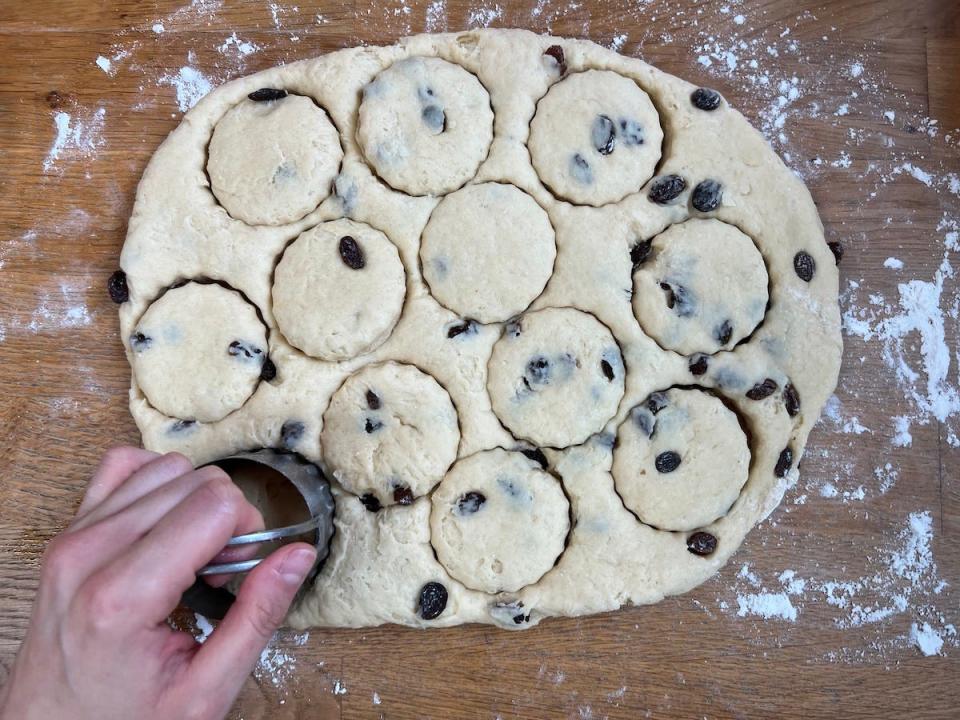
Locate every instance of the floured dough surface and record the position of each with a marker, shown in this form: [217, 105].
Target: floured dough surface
[338, 290]
[273, 161]
[487, 251]
[198, 352]
[447, 309]
[389, 433]
[498, 521]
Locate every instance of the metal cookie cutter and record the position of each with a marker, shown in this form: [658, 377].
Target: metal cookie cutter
[311, 486]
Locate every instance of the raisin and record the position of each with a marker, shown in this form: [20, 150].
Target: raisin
[267, 94]
[657, 402]
[667, 462]
[837, 249]
[403, 495]
[520, 619]
[370, 502]
[607, 370]
[707, 195]
[639, 253]
[762, 389]
[470, 502]
[698, 365]
[466, 327]
[433, 600]
[434, 118]
[351, 253]
[181, 425]
[705, 99]
[631, 131]
[536, 454]
[290, 432]
[580, 169]
[784, 462]
[604, 134]
[373, 400]
[268, 371]
[238, 347]
[666, 188]
[538, 370]
[724, 332]
[139, 341]
[671, 298]
[117, 287]
[371, 426]
[556, 52]
[791, 399]
[701, 543]
[804, 266]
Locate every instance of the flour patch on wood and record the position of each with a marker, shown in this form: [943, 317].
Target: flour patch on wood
[78, 135]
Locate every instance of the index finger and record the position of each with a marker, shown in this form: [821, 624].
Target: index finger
[117, 464]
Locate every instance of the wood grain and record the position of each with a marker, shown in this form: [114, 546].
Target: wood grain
[65, 378]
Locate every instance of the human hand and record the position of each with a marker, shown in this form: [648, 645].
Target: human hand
[98, 646]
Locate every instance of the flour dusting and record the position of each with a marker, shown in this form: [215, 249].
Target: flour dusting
[190, 85]
[79, 134]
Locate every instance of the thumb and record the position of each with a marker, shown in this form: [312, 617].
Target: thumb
[229, 655]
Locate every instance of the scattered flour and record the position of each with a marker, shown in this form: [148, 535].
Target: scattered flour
[926, 638]
[483, 16]
[190, 85]
[436, 17]
[78, 137]
[893, 263]
[376, 698]
[241, 47]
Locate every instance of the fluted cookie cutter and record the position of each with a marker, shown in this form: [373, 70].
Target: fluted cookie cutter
[312, 487]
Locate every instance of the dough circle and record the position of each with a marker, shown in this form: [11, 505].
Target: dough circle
[498, 521]
[555, 377]
[487, 251]
[680, 459]
[595, 138]
[197, 352]
[338, 290]
[703, 287]
[425, 125]
[273, 162]
[390, 431]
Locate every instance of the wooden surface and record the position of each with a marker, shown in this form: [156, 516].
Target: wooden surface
[62, 221]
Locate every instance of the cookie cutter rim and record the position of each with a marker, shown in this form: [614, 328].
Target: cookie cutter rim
[309, 481]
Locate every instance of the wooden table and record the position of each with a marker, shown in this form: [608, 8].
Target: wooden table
[63, 214]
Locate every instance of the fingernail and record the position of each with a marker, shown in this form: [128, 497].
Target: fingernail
[296, 565]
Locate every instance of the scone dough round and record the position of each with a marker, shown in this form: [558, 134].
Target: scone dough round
[271, 163]
[555, 377]
[595, 138]
[338, 290]
[390, 431]
[197, 352]
[425, 125]
[680, 459]
[487, 251]
[498, 521]
[702, 289]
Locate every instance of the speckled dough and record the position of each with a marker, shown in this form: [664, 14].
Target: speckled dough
[487, 251]
[680, 459]
[489, 110]
[391, 432]
[425, 125]
[702, 289]
[332, 309]
[498, 521]
[555, 377]
[595, 138]
[273, 162]
[198, 351]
